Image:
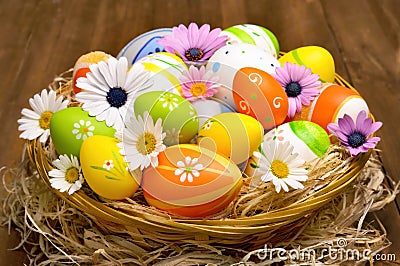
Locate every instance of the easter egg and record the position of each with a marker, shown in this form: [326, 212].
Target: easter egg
[105, 170]
[81, 66]
[332, 103]
[253, 34]
[207, 108]
[226, 61]
[309, 141]
[179, 118]
[191, 181]
[233, 135]
[71, 126]
[318, 59]
[144, 44]
[165, 70]
[258, 94]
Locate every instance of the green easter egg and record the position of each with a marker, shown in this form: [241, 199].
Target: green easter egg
[179, 118]
[71, 126]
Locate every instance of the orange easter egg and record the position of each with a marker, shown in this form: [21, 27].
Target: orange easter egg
[81, 66]
[191, 181]
[258, 94]
[332, 103]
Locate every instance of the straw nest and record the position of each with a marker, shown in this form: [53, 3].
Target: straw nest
[85, 228]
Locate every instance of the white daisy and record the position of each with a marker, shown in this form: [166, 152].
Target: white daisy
[278, 164]
[67, 175]
[109, 88]
[37, 122]
[83, 129]
[142, 141]
[188, 169]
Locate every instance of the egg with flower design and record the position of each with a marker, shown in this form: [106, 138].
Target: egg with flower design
[191, 181]
[105, 170]
[71, 126]
[180, 121]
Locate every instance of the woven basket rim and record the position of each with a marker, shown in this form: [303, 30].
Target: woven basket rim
[226, 228]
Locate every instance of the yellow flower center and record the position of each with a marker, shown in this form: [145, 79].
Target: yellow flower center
[279, 169]
[146, 143]
[198, 89]
[44, 120]
[72, 175]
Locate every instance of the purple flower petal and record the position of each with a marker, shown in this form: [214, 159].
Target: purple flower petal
[346, 124]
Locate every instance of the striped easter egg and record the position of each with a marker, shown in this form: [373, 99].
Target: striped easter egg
[308, 139]
[253, 34]
[191, 181]
[165, 71]
[318, 59]
[332, 103]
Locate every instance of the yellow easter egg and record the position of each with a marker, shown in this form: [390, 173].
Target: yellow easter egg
[318, 59]
[233, 135]
[105, 170]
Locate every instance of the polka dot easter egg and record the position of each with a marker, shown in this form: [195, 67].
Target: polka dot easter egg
[229, 59]
[253, 34]
[179, 118]
[165, 70]
[71, 126]
[105, 170]
[144, 44]
[191, 181]
[233, 135]
[258, 94]
[318, 59]
[332, 103]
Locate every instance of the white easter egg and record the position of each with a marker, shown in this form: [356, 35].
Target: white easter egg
[209, 108]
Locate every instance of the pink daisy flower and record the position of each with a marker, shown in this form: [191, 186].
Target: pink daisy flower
[301, 86]
[193, 44]
[198, 84]
[354, 135]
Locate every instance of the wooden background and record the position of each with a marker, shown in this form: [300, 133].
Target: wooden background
[39, 39]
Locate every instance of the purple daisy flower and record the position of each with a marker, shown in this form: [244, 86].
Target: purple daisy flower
[301, 86]
[193, 44]
[354, 136]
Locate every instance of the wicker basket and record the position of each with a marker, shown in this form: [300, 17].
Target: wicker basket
[154, 228]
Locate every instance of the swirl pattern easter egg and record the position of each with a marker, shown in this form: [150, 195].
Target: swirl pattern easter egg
[318, 59]
[71, 126]
[105, 170]
[332, 103]
[253, 34]
[258, 94]
[234, 135]
[191, 181]
[308, 139]
[165, 70]
[229, 59]
[179, 118]
[144, 44]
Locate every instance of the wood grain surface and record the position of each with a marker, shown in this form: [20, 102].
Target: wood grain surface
[39, 39]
